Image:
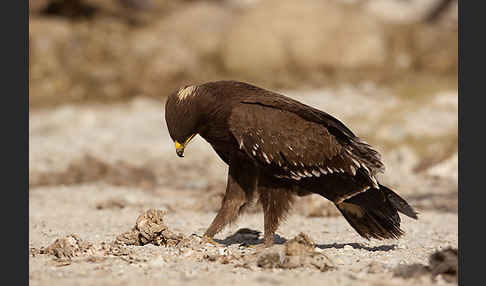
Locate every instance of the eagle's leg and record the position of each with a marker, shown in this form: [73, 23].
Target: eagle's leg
[233, 200]
[241, 184]
[276, 202]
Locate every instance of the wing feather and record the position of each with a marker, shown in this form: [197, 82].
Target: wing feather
[287, 143]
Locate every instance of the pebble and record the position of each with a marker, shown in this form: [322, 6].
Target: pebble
[223, 251]
[188, 253]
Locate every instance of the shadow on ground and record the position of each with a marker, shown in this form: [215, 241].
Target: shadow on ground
[246, 237]
[385, 247]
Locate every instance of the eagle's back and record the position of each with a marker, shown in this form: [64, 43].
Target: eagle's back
[296, 142]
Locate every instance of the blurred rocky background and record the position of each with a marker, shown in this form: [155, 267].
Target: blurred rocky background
[108, 50]
[100, 70]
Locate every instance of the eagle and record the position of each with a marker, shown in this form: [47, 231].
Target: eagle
[277, 148]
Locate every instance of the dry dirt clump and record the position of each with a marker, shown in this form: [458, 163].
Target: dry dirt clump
[443, 263]
[69, 247]
[150, 228]
[295, 253]
[72, 248]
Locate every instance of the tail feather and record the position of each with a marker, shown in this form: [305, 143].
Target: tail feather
[374, 213]
[400, 204]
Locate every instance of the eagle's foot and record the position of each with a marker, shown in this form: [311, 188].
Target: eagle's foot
[207, 239]
[263, 246]
[268, 239]
[259, 247]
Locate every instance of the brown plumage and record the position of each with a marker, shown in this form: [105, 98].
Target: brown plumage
[276, 148]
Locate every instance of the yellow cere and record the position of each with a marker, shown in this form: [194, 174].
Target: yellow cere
[178, 145]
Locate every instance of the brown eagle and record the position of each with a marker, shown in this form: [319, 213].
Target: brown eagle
[276, 148]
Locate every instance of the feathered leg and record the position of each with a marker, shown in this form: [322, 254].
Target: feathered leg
[242, 181]
[276, 202]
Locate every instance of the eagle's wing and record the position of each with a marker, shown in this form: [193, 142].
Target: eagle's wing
[289, 145]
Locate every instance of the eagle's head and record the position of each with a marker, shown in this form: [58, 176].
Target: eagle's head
[182, 116]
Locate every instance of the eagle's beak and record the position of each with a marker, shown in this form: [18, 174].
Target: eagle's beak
[179, 149]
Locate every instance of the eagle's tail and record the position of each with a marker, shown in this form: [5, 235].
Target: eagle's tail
[374, 213]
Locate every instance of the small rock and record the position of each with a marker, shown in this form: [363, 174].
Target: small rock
[410, 270]
[375, 267]
[299, 245]
[445, 262]
[272, 257]
[223, 251]
[295, 253]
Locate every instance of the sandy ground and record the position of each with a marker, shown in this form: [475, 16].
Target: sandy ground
[132, 167]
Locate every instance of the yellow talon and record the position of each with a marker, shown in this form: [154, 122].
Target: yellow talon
[210, 240]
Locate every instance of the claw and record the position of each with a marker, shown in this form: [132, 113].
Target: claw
[256, 247]
[210, 240]
[260, 247]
